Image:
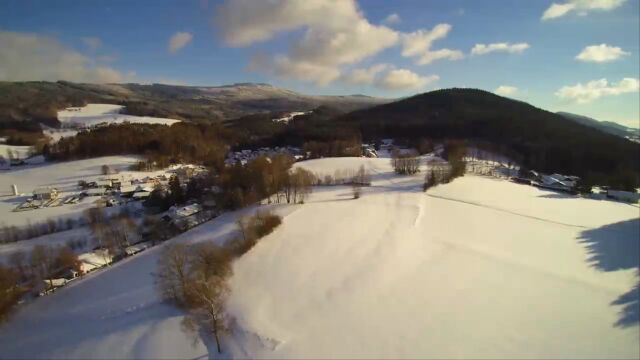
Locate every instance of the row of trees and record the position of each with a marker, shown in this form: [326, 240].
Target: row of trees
[443, 173]
[264, 178]
[162, 145]
[405, 163]
[335, 148]
[15, 233]
[195, 277]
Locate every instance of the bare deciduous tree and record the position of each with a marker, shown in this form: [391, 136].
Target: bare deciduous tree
[173, 273]
[10, 290]
[18, 261]
[42, 263]
[208, 311]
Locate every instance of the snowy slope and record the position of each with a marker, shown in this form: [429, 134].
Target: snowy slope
[94, 114]
[477, 268]
[113, 313]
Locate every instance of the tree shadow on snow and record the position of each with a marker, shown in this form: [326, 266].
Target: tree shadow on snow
[617, 247]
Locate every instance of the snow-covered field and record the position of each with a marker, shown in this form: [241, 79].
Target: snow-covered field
[94, 114]
[64, 176]
[478, 268]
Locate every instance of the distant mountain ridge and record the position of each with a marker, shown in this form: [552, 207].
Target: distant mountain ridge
[38, 101]
[606, 126]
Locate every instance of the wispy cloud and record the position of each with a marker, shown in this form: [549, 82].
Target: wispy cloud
[482, 49]
[392, 19]
[92, 42]
[178, 41]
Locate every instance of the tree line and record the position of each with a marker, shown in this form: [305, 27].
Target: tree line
[263, 178]
[444, 172]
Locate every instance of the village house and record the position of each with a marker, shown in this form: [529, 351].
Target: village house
[45, 193]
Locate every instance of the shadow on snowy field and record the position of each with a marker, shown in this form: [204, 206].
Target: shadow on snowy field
[617, 247]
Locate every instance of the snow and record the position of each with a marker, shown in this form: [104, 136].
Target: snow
[62, 175]
[94, 114]
[286, 118]
[478, 268]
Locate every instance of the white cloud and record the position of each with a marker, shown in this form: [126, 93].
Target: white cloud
[335, 34]
[364, 76]
[403, 79]
[91, 42]
[431, 56]
[418, 44]
[601, 53]
[347, 46]
[482, 49]
[505, 90]
[583, 7]
[244, 22]
[597, 88]
[283, 67]
[29, 57]
[392, 19]
[178, 41]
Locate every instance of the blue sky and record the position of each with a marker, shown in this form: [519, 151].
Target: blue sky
[297, 46]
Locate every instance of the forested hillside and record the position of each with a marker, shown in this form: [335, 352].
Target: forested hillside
[543, 140]
[39, 101]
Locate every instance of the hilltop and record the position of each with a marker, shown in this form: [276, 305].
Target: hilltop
[537, 138]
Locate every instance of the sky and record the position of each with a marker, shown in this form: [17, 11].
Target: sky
[579, 56]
